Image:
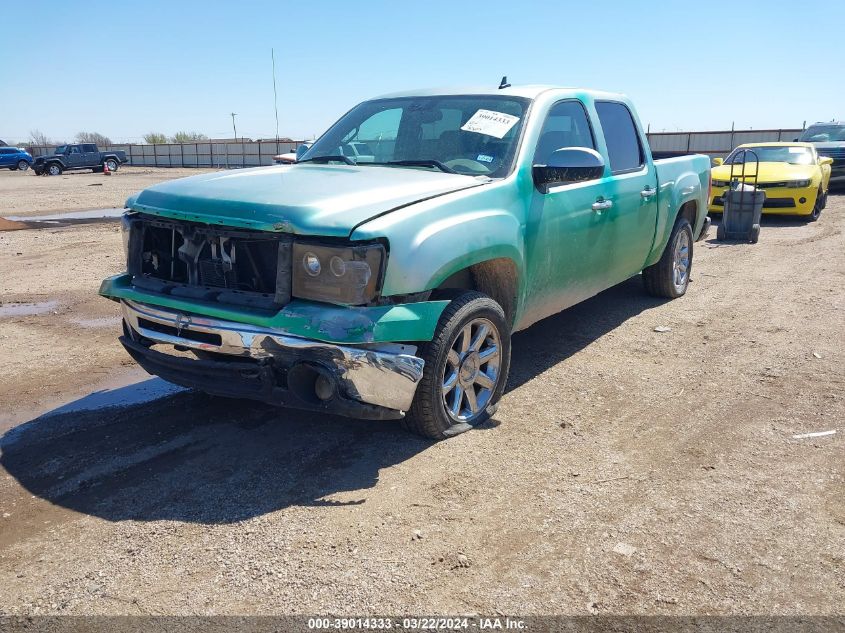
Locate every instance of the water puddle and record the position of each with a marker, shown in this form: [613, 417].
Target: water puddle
[27, 309]
[101, 322]
[94, 214]
[126, 389]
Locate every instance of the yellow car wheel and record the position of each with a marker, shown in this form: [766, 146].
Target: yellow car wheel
[818, 206]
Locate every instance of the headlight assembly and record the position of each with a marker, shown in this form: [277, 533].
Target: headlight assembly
[798, 184]
[348, 275]
[125, 231]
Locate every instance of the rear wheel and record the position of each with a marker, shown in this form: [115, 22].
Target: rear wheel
[755, 233]
[721, 233]
[23, 165]
[466, 368]
[669, 277]
[54, 169]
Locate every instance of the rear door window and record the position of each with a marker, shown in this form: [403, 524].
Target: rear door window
[624, 148]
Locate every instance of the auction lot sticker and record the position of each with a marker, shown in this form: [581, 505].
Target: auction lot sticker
[490, 123]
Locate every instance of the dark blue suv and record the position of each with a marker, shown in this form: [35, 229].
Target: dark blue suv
[14, 158]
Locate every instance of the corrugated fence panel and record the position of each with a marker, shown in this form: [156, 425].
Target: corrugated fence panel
[668, 142]
[710, 142]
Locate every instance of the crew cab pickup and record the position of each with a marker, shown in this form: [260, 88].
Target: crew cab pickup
[389, 289]
[79, 156]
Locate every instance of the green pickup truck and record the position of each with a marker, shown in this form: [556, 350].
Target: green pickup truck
[386, 283]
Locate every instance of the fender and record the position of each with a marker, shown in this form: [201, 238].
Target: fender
[441, 237]
[674, 194]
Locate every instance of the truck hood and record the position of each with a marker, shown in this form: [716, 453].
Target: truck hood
[307, 199]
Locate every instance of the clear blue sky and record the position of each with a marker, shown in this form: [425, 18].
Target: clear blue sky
[127, 68]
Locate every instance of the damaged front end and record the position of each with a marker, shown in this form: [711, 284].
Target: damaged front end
[243, 313]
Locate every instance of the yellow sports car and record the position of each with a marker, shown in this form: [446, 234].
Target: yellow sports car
[794, 177]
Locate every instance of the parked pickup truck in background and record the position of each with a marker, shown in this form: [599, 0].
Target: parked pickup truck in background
[79, 156]
[829, 141]
[389, 289]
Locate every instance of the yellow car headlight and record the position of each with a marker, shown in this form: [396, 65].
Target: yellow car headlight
[798, 184]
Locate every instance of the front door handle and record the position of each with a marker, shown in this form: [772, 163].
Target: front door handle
[601, 204]
[648, 192]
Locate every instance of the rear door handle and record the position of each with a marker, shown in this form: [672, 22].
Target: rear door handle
[601, 204]
[648, 192]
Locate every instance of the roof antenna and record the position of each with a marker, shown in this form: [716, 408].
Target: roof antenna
[504, 83]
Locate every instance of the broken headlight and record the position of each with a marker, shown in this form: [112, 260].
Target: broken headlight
[348, 275]
[125, 230]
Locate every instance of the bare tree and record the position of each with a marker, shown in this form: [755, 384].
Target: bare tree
[188, 137]
[155, 138]
[37, 137]
[93, 137]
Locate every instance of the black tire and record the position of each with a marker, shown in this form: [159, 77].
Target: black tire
[428, 415]
[824, 200]
[659, 278]
[755, 233]
[53, 169]
[818, 206]
[721, 233]
[113, 164]
[23, 165]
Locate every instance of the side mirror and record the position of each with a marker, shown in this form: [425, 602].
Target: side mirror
[568, 165]
[825, 160]
[300, 150]
[718, 161]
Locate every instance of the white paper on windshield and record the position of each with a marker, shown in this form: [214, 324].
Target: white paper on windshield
[490, 123]
[796, 150]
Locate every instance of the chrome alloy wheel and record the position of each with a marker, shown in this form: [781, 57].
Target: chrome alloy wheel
[472, 370]
[681, 261]
[54, 170]
[112, 164]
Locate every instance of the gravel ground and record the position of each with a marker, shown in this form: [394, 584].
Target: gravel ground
[627, 470]
[22, 193]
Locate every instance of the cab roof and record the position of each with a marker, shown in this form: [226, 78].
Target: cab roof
[529, 91]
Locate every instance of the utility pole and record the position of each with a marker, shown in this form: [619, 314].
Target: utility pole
[235, 129]
[275, 96]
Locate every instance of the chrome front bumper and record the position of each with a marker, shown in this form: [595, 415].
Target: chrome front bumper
[385, 375]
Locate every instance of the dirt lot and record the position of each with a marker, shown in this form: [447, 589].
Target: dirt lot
[24, 194]
[627, 470]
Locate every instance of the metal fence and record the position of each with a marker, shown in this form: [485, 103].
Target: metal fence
[257, 153]
[220, 155]
[718, 143]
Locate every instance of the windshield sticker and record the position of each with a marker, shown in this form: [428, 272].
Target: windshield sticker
[484, 158]
[796, 150]
[490, 123]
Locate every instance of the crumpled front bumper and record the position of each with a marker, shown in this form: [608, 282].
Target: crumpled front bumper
[375, 381]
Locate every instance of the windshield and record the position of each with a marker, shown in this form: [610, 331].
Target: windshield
[822, 133]
[773, 154]
[61, 149]
[474, 135]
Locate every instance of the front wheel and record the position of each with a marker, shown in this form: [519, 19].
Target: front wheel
[669, 277]
[818, 206]
[23, 165]
[54, 169]
[466, 368]
[112, 164]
